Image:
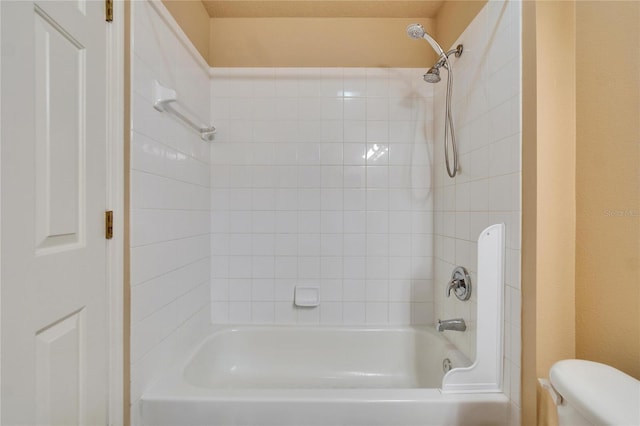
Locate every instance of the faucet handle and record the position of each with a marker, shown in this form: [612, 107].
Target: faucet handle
[460, 283]
[453, 284]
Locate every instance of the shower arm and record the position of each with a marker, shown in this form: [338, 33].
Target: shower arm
[443, 61]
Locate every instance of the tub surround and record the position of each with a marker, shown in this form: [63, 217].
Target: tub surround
[324, 177]
[486, 109]
[169, 201]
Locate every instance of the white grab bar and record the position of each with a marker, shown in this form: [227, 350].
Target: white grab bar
[166, 98]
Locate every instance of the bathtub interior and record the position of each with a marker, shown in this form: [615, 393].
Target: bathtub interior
[294, 357]
[317, 381]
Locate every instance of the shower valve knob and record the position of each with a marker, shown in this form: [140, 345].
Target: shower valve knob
[460, 284]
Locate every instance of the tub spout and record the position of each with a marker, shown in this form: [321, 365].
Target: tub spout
[457, 324]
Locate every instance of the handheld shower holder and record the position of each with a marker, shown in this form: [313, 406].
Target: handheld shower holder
[458, 51]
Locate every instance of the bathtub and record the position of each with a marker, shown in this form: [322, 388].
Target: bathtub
[293, 375]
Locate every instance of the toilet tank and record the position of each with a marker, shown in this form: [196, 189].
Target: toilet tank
[598, 393]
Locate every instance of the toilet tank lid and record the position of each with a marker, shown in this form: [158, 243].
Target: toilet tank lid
[602, 394]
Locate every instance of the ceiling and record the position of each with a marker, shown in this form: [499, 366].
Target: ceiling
[322, 8]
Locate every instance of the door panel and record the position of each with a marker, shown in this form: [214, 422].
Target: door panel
[60, 74]
[60, 372]
[54, 290]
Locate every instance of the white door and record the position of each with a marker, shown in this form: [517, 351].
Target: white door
[54, 299]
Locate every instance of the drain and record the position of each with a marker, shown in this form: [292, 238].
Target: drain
[446, 365]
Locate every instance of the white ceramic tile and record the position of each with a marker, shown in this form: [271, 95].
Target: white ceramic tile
[309, 222]
[308, 315]
[377, 267]
[400, 200]
[377, 154]
[400, 313]
[355, 131]
[331, 154]
[354, 313]
[239, 290]
[309, 83]
[330, 132]
[354, 267]
[354, 199]
[262, 312]
[331, 286]
[309, 108]
[377, 108]
[331, 83]
[308, 154]
[377, 131]
[239, 267]
[354, 82]
[239, 312]
[332, 108]
[355, 108]
[377, 290]
[354, 176]
[263, 266]
[309, 244]
[331, 313]
[377, 176]
[284, 313]
[263, 245]
[377, 82]
[332, 245]
[286, 267]
[309, 267]
[354, 153]
[332, 221]
[377, 313]
[220, 312]
[309, 199]
[332, 176]
[377, 199]
[354, 244]
[399, 245]
[353, 290]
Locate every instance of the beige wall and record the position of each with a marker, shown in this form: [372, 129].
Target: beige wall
[529, 214]
[317, 42]
[607, 181]
[194, 21]
[453, 17]
[556, 189]
[581, 310]
[555, 196]
[320, 42]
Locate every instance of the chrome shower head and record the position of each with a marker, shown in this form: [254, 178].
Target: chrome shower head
[432, 75]
[415, 31]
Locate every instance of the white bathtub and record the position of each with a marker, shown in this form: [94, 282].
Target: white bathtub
[281, 375]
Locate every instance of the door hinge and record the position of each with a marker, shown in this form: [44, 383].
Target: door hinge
[108, 224]
[108, 10]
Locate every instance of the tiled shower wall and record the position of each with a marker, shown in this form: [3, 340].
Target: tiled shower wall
[170, 249]
[322, 177]
[486, 108]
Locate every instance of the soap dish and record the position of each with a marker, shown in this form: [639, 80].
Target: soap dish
[306, 297]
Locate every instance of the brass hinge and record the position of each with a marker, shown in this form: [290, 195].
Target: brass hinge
[108, 10]
[108, 224]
